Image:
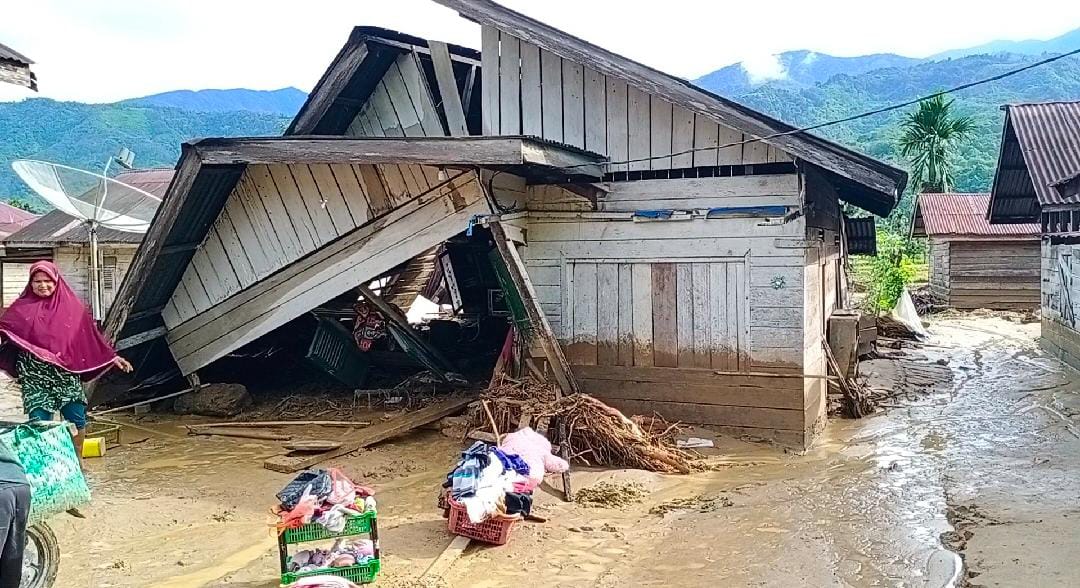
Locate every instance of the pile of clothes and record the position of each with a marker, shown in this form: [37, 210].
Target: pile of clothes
[499, 480]
[344, 553]
[327, 497]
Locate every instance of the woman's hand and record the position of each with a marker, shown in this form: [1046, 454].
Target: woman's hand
[123, 364]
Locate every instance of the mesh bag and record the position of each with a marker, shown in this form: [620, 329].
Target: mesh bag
[48, 456]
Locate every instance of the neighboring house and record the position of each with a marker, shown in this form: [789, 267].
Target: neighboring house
[64, 239]
[1038, 181]
[975, 264]
[15, 68]
[685, 268]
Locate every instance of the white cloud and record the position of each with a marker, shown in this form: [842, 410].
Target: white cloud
[763, 68]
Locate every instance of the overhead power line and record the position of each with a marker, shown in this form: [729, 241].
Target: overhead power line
[830, 123]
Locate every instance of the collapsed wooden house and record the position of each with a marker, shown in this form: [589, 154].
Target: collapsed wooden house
[975, 264]
[685, 250]
[1038, 181]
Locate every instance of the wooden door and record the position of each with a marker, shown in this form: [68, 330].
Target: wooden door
[682, 313]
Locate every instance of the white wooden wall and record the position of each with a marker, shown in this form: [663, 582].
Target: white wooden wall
[16, 276]
[280, 213]
[621, 249]
[356, 257]
[530, 91]
[73, 261]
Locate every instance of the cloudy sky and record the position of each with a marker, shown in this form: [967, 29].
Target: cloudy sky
[108, 50]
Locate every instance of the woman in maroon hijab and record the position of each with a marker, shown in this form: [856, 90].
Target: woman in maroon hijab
[51, 344]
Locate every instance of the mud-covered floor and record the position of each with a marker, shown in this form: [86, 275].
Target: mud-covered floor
[977, 455]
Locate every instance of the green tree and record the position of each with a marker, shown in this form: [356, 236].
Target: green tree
[25, 204]
[929, 140]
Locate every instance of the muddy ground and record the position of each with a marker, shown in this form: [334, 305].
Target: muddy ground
[976, 454]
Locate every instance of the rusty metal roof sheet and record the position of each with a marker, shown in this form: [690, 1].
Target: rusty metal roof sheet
[1049, 138]
[953, 214]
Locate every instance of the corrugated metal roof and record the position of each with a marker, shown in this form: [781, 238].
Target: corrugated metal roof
[9, 54]
[962, 215]
[12, 219]
[58, 227]
[1049, 138]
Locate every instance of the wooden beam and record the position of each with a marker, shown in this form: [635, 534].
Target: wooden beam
[519, 275]
[447, 82]
[405, 329]
[288, 464]
[139, 339]
[450, 151]
[183, 247]
[331, 85]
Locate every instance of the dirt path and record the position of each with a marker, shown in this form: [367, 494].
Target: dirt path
[972, 443]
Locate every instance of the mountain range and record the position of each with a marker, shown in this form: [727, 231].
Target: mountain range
[799, 87]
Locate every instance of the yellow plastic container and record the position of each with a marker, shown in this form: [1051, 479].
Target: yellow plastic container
[93, 447]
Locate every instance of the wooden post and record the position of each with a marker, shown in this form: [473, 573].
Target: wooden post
[520, 276]
[559, 366]
[391, 314]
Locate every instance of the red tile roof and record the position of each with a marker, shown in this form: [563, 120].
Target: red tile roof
[953, 214]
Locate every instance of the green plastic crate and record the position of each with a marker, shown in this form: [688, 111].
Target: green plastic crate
[354, 525]
[359, 574]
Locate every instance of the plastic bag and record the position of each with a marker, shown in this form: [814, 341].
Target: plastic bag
[48, 457]
[319, 482]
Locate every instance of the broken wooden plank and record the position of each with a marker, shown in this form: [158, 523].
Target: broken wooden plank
[241, 434]
[444, 77]
[519, 275]
[288, 464]
[350, 424]
[432, 359]
[447, 558]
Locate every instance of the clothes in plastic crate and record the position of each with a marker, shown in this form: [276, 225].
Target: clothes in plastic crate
[359, 574]
[495, 530]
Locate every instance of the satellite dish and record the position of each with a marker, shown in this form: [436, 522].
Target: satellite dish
[96, 199]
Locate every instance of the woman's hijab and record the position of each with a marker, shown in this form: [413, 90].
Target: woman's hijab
[56, 329]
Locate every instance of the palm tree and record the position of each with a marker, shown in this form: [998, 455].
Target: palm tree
[929, 139]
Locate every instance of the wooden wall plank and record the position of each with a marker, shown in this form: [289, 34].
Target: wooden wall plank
[642, 313]
[532, 115]
[665, 323]
[573, 81]
[279, 217]
[702, 328]
[706, 138]
[169, 315]
[373, 187]
[607, 313]
[509, 85]
[336, 206]
[185, 308]
[660, 134]
[384, 114]
[356, 198]
[247, 242]
[551, 71]
[269, 243]
[398, 188]
[489, 79]
[684, 308]
[420, 94]
[738, 311]
[318, 203]
[755, 152]
[618, 137]
[583, 344]
[682, 138]
[204, 287]
[225, 274]
[233, 248]
[448, 89]
[626, 315]
[639, 128]
[595, 111]
[731, 155]
[720, 346]
[295, 205]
